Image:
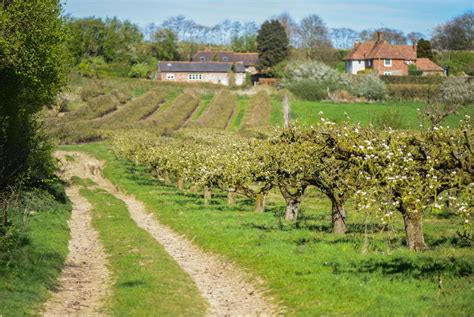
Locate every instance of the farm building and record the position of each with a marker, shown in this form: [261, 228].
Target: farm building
[387, 59]
[249, 60]
[208, 72]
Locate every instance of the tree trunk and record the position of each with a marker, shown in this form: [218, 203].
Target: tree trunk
[207, 195]
[231, 197]
[180, 183]
[260, 203]
[166, 177]
[414, 231]
[292, 209]
[338, 216]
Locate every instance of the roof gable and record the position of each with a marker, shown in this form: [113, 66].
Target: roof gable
[427, 65]
[248, 59]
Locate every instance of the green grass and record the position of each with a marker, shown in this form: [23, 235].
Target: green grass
[147, 281]
[205, 100]
[276, 116]
[403, 114]
[306, 267]
[239, 112]
[31, 268]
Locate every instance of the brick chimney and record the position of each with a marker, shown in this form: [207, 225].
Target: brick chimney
[380, 36]
[356, 44]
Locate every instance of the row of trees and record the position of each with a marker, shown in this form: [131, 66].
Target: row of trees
[385, 171]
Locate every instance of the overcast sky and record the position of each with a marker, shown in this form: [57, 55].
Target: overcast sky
[407, 15]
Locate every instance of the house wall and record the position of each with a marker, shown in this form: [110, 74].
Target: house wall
[239, 79]
[399, 67]
[215, 78]
[354, 66]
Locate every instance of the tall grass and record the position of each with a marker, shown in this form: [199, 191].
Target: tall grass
[173, 117]
[219, 111]
[259, 111]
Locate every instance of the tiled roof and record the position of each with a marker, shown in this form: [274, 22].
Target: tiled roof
[248, 59]
[194, 67]
[427, 65]
[381, 49]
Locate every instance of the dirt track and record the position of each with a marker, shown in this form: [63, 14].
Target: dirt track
[222, 284]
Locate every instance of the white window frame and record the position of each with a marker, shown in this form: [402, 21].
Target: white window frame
[389, 64]
[202, 58]
[170, 76]
[194, 76]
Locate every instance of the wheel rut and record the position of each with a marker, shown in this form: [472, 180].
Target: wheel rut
[222, 284]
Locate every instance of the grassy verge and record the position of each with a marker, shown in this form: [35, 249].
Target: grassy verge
[148, 282]
[395, 114]
[32, 266]
[276, 116]
[205, 100]
[309, 269]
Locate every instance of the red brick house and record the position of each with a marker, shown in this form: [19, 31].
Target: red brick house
[386, 59]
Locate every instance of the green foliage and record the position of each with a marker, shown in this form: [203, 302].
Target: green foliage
[272, 44]
[165, 45]
[32, 67]
[244, 43]
[423, 49]
[91, 67]
[308, 89]
[139, 70]
[412, 71]
[458, 62]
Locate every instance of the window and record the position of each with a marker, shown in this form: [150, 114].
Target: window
[195, 77]
[225, 58]
[387, 73]
[360, 61]
[387, 62]
[202, 58]
[369, 63]
[170, 76]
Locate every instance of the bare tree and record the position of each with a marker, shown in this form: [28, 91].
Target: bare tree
[291, 28]
[414, 37]
[343, 38]
[313, 33]
[457, 34]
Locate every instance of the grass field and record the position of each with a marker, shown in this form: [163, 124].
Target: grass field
[239, 113]
[147, 281]
[308, 269]
[31, 268]
[396, 114]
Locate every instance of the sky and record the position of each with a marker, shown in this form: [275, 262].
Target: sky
[406, 15]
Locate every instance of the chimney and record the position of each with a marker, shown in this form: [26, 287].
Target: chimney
[380, 36]
[356, 44]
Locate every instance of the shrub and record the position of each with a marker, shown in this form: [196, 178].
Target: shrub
[412, 71]
[370, 87]
[309, 89]
[412, 91]
[392, 118]
[91, 67]
[92, 90]
[139, 70]
[456, 90]
[314, 70]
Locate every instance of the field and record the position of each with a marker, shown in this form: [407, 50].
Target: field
[298, 267]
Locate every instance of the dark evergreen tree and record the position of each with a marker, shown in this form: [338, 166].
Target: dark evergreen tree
[272, 44]
[423, 49]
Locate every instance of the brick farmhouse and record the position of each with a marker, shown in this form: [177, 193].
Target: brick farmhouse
[208, 72]
[386, 59]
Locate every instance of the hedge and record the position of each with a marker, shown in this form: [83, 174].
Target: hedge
[406, 80]
[412, 91]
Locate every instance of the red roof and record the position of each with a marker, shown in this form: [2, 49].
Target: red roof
[427, 65]
[381, 49]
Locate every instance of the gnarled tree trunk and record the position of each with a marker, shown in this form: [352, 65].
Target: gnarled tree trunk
[338, 216]
[231, 197]
[260, 202]
[293, 206]
[414, 230]
[207, 195]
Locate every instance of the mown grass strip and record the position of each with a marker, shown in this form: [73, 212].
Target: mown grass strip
[305, 265]
[259, 111]
[205, 100]
[31, 267]
[237, 117]
[219, 111]
[276, 116]
[148, 282]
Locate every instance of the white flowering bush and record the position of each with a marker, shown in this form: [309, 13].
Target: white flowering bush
[313, 70]
[456, 90]
[370, 86]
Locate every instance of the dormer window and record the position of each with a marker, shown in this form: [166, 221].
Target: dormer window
[387, 62]
[225, 59]
[202, 58]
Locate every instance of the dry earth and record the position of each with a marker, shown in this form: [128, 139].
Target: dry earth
[221, 283]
